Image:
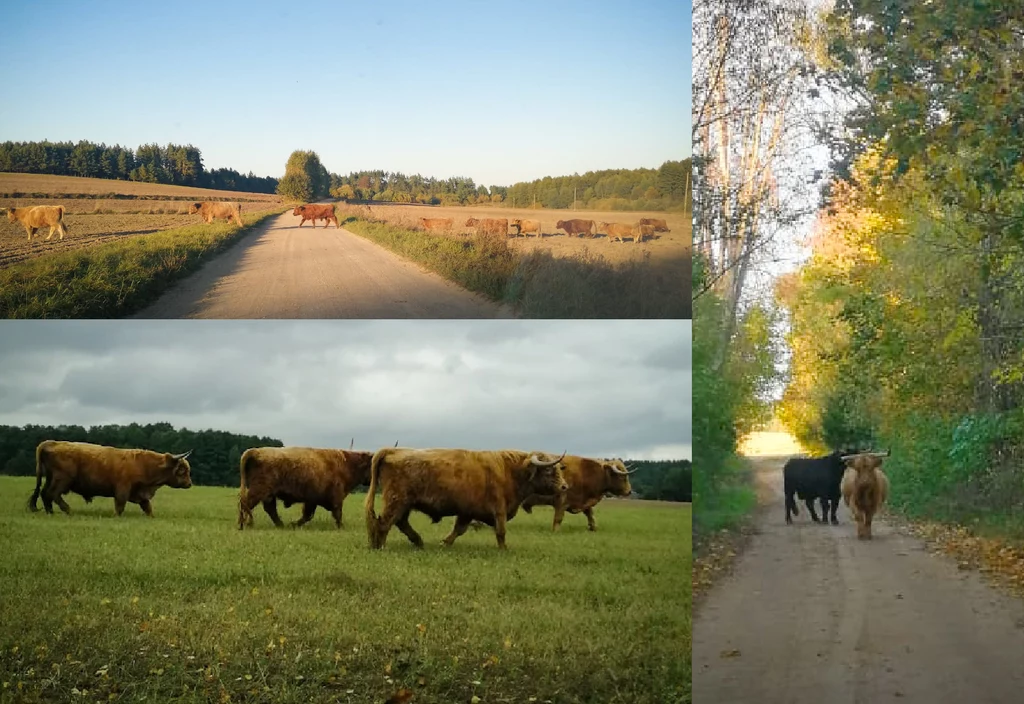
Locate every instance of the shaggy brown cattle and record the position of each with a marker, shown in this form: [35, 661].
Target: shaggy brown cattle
[616, 230]
[471, 485]
[526, 226]
[431, 224]
[640, 231]
[865, 488]
[489, 226]
[36, 216]
[314, 212]
[658, 224]
[96, 470]
[310, 476]
[576, 228]
[589, 481]
[217, 211]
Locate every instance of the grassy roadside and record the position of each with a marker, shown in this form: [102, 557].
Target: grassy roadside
[538, 284]
[722, 517]
[114, 279]
[184, 607]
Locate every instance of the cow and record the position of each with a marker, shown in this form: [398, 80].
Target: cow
[211, 211]
[640, 231]
[616, 230]
[658, 224]
[431, 224]
[576, 228]
[486, 486]
[813, 478]
[307, 475]
[865, 488]
[97, 470]
[489, 226]
[526, 226]
[314, 212]
[35, 217]
[589, 481]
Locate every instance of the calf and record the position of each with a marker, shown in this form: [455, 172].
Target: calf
[314, 212]
[658, 224]
[616, 230]
[865, 488]
[641, 230]
[210, 211]
[36, 216]
[489, 226]
[526, 226]
[431, 224]
[575, 228]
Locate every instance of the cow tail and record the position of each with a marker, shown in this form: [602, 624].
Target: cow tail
[243, 490]
[32, 505]
[371, 514]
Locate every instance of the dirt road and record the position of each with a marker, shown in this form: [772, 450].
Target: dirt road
[811, 614]
[284, 271]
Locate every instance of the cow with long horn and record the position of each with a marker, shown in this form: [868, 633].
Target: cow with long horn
[589, 481]
[865, 488]
[485, 486]
[96, 470]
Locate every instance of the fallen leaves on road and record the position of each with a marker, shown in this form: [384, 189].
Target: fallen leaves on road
[729, 654]
[713, 556]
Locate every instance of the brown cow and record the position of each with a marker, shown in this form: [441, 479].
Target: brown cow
[589, 481]
[430, 224]
[575, 228]
[525, 226]
[658, 224]
[314, 212]
[640, 231]
[96, 470]
[310, 476]
[471, 485]
[616, 230]
[35, 217]
[489, 226]
[865, 488]
[217, 211]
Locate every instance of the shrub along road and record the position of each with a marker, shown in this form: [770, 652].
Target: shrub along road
[283, 271]
[810, 613]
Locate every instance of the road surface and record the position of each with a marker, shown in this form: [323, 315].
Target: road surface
[283, 271]
[811, 614]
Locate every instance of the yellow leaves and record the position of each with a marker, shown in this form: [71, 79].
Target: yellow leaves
[156, 671]
[729, 654]
[508, 643]
[135, 600]
[490, 662]
[475, 700]
[421, 628]
[268, 611]
[255, 591]
[104, 602]
[400, 697]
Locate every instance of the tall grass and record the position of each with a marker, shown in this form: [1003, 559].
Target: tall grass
[114, 279]
[537, 284]
[185, 608]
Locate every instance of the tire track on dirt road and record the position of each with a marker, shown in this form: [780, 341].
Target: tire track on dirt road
[811, 614]
[283, 271]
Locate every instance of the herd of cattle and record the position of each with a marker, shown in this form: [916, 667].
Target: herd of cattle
[474, 486]
[855, 476]
[645, 227]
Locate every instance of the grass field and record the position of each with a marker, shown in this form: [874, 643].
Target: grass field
[100, 211]
[184, 607]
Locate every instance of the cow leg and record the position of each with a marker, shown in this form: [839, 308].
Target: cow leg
[147, 507]
[56, 494]
[308, 509]
[270, 506]
[591, 523]
[835, 507]
[403, 525]
[461, 525]
[527, 505]
[336, 512]
[31, 231]
[388, 517]
[45, 494]
[49, 235]
[499, 528]
[810, 507]
[559, 513]
[120, 502]
[790, 507]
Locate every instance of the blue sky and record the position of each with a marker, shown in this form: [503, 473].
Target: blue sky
[500, 92]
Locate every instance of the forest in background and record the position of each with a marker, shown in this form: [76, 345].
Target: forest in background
[216, 453]
[179, 165]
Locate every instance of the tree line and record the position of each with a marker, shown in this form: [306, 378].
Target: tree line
[216, 453]
[180, 165]
[666, 188]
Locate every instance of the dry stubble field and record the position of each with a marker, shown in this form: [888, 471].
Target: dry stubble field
[665, 247]
[102, 210]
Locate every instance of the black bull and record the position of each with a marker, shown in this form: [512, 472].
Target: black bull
[814, 478]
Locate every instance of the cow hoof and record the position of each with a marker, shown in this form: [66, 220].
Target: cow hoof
[835, 521]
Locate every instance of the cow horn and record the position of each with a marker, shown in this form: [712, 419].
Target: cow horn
[182, 456]
[351, 443]
[538, 462]
[396, 443]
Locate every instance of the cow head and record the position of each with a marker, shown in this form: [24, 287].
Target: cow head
[10, 214]
[545, 475]
[194, 208]
[181, 472]
[865, 462]
[560, 224]
[617, 477]
[299, 209]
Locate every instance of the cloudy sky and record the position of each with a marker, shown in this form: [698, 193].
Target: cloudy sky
[599, 388]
